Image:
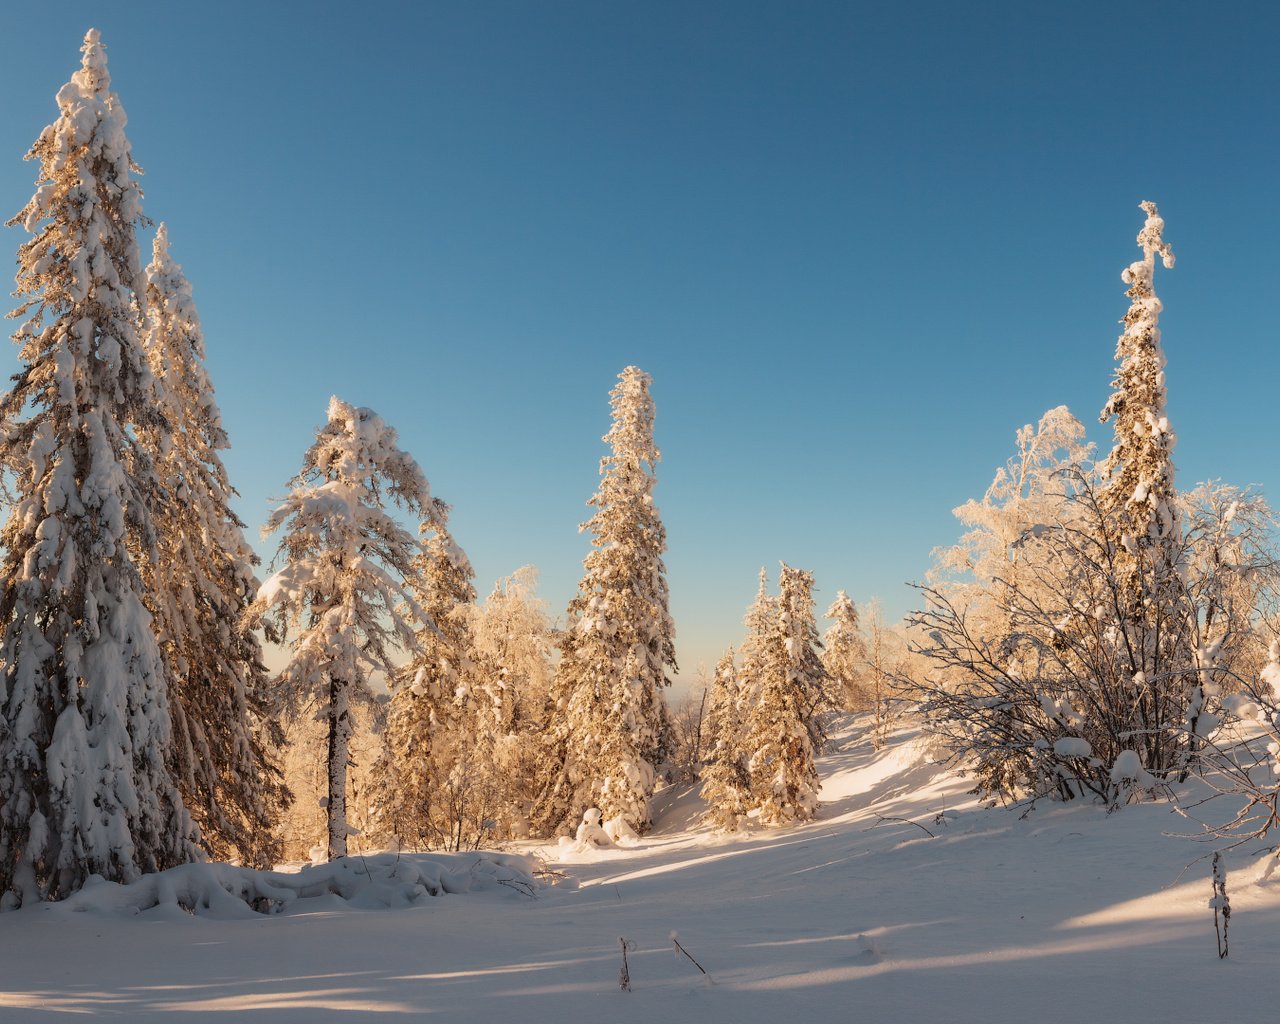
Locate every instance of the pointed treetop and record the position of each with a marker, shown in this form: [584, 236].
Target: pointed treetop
[1151, 236]
[163, 265]
[160, 247]
[633, 412]
[841, 605]
[93, 76]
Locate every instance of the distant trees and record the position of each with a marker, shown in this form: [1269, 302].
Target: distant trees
[609, 721]
[341, 589]
[783, 730]
[844, 653]
[765, 723]
[84, 723]
[726, 782]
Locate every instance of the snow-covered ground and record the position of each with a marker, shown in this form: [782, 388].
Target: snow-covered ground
[1064, 914]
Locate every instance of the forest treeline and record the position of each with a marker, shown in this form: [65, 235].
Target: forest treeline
[1096, 633]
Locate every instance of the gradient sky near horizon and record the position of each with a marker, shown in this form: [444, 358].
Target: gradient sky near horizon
[857, 246]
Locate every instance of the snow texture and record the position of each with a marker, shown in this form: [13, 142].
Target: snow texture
[999, 918]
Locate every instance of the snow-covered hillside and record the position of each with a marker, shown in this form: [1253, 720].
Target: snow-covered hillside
[1062, 914]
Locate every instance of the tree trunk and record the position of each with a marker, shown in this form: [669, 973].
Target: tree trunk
[339, 757]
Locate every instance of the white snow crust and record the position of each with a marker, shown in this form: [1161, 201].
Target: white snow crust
[906, 900]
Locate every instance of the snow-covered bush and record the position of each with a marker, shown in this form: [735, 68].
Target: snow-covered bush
[375, 882]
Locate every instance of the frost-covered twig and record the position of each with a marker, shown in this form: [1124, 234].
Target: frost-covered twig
[675, 941]
[522, 887]
[906, 821]
[624, 975]
[1221, 904]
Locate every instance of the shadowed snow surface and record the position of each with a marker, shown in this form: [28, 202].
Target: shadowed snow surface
[1065, 914]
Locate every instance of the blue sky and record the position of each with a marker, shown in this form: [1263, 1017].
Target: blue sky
[856, 245]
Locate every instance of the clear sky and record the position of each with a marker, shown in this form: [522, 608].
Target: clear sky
[857, 246]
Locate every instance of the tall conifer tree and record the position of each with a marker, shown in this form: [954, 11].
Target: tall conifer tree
[611, 724]
[198, 590]
[342, 586]
[1138, 489]
[84, 721]
[1161, 688]
[726, 785]
[844, 654]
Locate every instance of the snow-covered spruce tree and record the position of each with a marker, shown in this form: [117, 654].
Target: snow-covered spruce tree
[844, 654]
[84, 718]
[198, 588]
[1139, 505]
[726, 784]
[609, 726]
[1138, 489]
[783, 729]
[429, 795]
[341, 591]
[761, 620]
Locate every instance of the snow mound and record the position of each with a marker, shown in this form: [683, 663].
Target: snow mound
[377, 882]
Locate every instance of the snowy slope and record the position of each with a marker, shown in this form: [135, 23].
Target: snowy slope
[1061, 915]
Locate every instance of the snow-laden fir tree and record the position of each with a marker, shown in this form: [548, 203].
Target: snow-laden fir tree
[726, 783]
[844, 654]
[341, 591]
[783, 729]
[198, 588]
[427, 796]
[1138, 488]
[84, 717]
[609, 727]
[760, 620]
[1139, 504]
